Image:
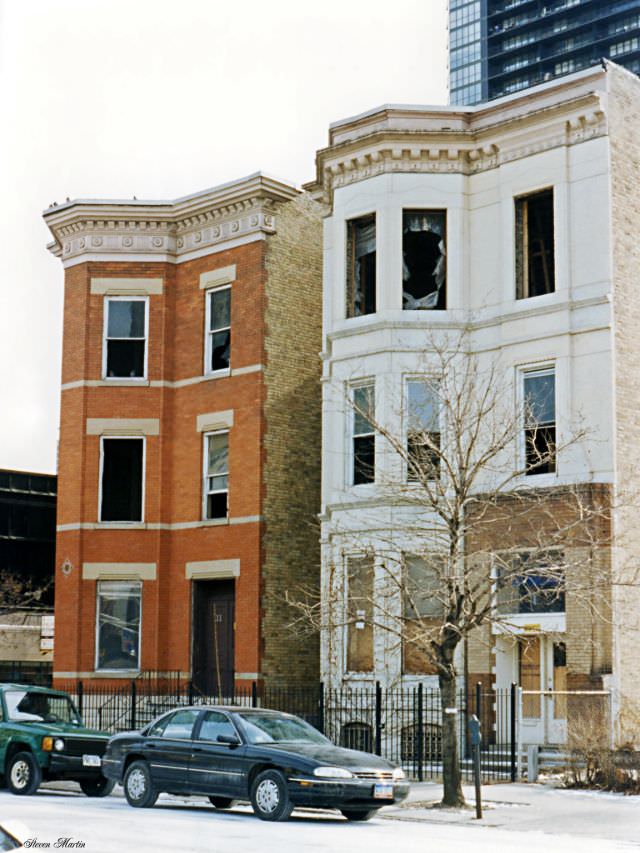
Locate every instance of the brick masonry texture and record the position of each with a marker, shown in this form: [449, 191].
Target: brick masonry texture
[274, 452]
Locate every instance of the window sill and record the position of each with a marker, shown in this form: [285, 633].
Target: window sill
[121, 525]
[125, 381]
[217, 374]
[116, 673]
[214, 522]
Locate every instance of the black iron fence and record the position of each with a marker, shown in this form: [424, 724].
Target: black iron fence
[403, 725]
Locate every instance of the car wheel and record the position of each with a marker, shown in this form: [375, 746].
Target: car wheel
[221, 802]
[270, 797]
[99, 787]
[23, 774]
[138, 787]
[351, 814]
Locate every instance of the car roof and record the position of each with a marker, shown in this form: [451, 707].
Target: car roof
[32, 688]
[235, 709]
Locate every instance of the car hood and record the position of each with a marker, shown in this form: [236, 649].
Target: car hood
[67, 729]
[329, 754]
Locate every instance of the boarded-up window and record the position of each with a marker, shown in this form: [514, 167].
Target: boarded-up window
[529, 675]
[423, 612]
[535, 257]
[361, 266]
[360, 614]
[424, 269]
[423, 430]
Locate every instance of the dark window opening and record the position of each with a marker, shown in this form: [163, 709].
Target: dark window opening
[121, 479]
[125, 338]
[364, 440]
[540, 423]
[535, 258]
[424, 267]
[217, 477]
[219, 331]
[357, 736]
[361, 266]
[423, 433]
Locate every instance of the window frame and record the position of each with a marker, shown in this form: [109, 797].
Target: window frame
[105, 338]
[522, 288]
[364, 383]
[533, 371]
[350, 266]
[208, 332]
[205, 474]
[506, 615]
[96, 664]
[141, 438]
[428, 380]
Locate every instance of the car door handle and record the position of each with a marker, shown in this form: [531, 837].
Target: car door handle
[151, 746]
[198, 749]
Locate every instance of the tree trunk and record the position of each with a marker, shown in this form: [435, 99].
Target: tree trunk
[451, 774]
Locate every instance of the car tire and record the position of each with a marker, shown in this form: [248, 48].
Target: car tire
[138, 787]
[352, 814]
[221, 802]
[270, 796]
[23, 774]
[99, 787]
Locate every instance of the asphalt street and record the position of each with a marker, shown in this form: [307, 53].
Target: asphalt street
[73, 821]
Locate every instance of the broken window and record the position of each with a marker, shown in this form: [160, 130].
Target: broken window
[364, 437]
[125, 338]
[423, 612]
[121, 486]
[423, 430]
[216, 474]
[540, 422]
[361, 266]
[424, 266]
[118, 628]
[218, 355]
[360, 614]
[531, 582]
[535, 266]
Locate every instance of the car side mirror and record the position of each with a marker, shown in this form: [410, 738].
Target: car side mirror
[232, 740]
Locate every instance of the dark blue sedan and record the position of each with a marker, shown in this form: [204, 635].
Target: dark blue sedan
[275, 760]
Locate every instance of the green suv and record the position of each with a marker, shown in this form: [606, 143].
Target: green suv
[42, 738]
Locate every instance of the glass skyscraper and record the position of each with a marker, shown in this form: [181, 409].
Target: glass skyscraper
[501, 46]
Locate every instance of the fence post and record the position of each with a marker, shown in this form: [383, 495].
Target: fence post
[254, 694]
[133, 705]
[190, 688]
[512, 714]
[80, 697]
[378, 749]
[420, 733]
[321, 707]
[479, 701]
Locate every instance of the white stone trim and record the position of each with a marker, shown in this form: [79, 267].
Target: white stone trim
[247, 676]
[215, 278]
[214, 421]
[126, 286]
[156, 525]
[158, 383]
[212, 569]
[123, 426]
[119, 571]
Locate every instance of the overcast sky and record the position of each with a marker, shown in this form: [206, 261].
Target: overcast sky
[157, 99]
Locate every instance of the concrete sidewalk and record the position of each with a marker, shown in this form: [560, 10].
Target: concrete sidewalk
[530, 807]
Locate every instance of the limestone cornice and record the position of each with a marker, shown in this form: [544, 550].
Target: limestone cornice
[449, 141]
[167, 230]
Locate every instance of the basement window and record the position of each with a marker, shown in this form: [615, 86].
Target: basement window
[424, 262]
[125, 338]
[118, 625]
[218, 343]
[216, 481]
[121, 487]
[535, 258]
[361, 266]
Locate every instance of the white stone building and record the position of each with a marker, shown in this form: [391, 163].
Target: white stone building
[525, 214]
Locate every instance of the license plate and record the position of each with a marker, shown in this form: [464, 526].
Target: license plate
[383, 792]
[91, 761]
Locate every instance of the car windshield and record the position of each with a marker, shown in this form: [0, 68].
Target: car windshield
[26, 706]
[268, 728]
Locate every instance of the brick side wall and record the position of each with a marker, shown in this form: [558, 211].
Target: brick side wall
[624, 128]
[292, 409]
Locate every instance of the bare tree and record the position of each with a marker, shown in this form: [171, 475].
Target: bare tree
[474, 537]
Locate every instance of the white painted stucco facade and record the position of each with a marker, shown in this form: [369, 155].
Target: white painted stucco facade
[472, 163]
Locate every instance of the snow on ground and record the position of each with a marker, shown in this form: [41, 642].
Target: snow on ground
[174, 824]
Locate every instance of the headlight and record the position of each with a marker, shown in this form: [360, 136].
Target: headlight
[58, 744]
[398, 774]
[333, 772]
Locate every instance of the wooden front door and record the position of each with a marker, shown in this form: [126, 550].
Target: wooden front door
[213, 637]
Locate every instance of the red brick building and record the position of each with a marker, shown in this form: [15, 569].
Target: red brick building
[189, 458]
